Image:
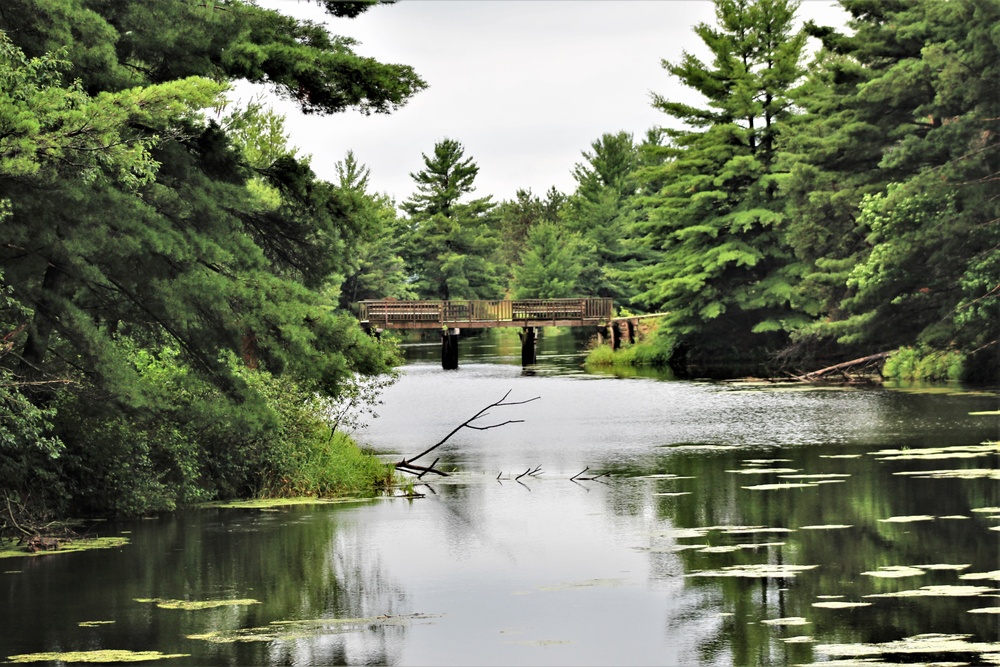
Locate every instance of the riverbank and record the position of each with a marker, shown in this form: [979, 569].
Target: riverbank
[654, 347]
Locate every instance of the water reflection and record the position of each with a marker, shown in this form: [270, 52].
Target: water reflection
[637, 567]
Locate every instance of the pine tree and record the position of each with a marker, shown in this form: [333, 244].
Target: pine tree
[450, 241]
[723, 270]
[896, 198]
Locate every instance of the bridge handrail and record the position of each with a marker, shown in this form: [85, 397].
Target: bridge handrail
[505, 310]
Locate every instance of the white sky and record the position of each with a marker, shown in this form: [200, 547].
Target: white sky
[524, 85]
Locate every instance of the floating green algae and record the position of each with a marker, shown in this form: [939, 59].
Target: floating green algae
[68, 546]
[764, 571]
[981, 576]
[790, 620]
[276, 503]
[104, 656]
[543, 642]
[194, 605]
[961, 473]
[935, 453]
[817, 476]
[303, 629]
[911, 518]
[588, 583]
[895, 572]
[925, 643]
[938, 591]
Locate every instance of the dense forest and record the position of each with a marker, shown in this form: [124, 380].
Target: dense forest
[176, 282]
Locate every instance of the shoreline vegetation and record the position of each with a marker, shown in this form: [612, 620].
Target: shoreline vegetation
[655, 348]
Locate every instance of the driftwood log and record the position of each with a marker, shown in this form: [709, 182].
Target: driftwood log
[845, 367]
[409, 465]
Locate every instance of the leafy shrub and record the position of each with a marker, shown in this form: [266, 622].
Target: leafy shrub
[924, 364]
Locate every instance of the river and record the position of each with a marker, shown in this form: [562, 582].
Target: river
[728, 524]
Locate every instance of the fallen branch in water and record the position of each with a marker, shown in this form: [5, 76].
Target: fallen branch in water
[577, 476]
[844, 367]
[408, 465]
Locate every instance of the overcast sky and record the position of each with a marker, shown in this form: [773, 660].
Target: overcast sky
[524, 85]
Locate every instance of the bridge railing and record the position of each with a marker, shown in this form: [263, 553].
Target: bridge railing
[484, 312]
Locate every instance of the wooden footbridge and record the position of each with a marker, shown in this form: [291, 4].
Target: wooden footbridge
[450, 317]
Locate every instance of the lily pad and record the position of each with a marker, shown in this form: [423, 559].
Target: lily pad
[74, 546]
[104, 656]
[799, 639]
[764, 571]
[291, 630]
[926, 643]
[935, 453]
[763, 471]
[828, 526]
[937, 591]
[895, 572]
[589, 583]
[981, 576]
[961, 473]
[912, 518]
[780, 486]
[725, 549]
[195, 605]
[840, 456]
[791, 620]
[753, 530]
[829, 475]
[94, 624]
[985, 610]
[672, 494]
[840, 605]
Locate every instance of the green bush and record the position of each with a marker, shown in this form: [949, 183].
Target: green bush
[924, 364]
[655, 350]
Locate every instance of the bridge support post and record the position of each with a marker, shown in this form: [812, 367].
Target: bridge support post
[528, 353]
[449, 349]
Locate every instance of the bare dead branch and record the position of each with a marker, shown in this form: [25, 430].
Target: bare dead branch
[843, 367]
[573, 478]
[486, 428]
[467, 424]
[522, 474]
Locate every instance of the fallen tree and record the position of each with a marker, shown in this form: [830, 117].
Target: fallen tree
[844, 368]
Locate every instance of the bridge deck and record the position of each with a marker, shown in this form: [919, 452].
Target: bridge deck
[390, 314]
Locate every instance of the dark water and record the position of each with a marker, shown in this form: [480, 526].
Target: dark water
[554, 571]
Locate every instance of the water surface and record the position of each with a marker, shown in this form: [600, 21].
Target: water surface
[546, 570]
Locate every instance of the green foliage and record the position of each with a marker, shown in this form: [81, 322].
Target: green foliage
[893, 197]
[147, 248]
[517, 217]
[450, 243]
[551, 264]
[376, 269]
[601, 211]
[924, 364]
[656, 349]
[716, 223]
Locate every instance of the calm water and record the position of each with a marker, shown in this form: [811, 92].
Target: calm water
[545, 570]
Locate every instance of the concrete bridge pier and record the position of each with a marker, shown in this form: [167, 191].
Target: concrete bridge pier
[528, 349]
[449, 349]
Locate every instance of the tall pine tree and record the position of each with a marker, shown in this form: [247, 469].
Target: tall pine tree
[451, 241]
[723, 272]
